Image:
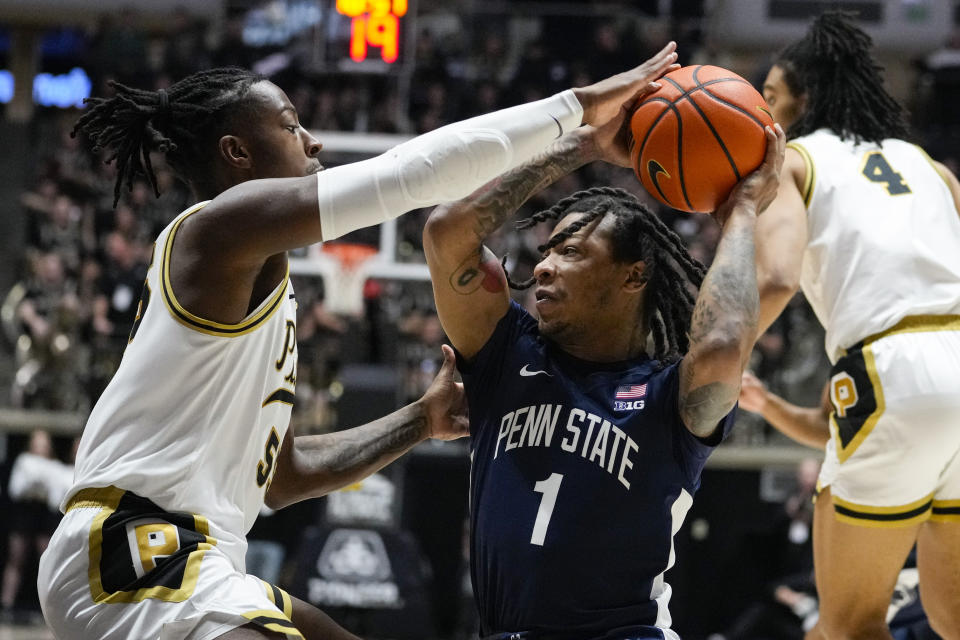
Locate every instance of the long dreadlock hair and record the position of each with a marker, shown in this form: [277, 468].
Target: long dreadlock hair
[638, 234]
[833, 66]
[180, 122]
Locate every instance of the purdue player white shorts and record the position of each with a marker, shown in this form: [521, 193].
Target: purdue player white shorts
[893, 458]
[119, 567]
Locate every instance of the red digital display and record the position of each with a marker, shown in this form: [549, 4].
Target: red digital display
[374, 23]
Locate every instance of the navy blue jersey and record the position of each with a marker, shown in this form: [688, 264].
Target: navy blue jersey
[582, 474]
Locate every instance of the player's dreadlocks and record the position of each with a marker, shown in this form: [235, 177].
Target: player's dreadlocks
[180, 121]
[832, 65]
[638, 234]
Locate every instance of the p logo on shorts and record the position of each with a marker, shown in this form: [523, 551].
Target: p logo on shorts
[843, 393]
[857, 399]
[150, 541]
[140, 551]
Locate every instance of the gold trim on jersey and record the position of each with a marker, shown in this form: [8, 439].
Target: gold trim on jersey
[281, 395]
[279, 597]
[808, 181]
[273, 621]
[883, 517]
[107, 499]
[203, 325]
[95, 498]
[917, 324]
[946, 511]
[843, 453]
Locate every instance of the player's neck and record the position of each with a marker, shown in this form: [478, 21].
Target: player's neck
[208, 187]
[605, 342]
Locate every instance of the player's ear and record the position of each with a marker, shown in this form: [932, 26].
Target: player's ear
[234, 152]
[636, 277]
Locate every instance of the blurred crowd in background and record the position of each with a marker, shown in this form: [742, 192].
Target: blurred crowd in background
[67, 318]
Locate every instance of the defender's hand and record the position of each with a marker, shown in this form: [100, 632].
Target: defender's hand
[610, 98]
[612, 138]
[445, 403]
[753, 393]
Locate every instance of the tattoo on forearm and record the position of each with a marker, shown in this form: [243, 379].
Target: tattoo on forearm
[728, 298]
[704, 406]
[727, 306]
[497, 200]
[404, 437]
[359, 451]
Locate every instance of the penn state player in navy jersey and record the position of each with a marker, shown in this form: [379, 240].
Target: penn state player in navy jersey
[586, 450]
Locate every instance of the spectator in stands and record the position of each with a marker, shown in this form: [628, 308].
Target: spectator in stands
[50, 315]
[34, 481]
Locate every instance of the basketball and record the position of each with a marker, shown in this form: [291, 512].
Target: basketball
[697, 136]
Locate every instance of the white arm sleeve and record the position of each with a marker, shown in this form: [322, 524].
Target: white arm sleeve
[446, 164]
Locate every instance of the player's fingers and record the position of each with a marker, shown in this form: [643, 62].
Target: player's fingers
[662, 62]
[781, 145]
[449, 360]
[668, 52]
[773, 148]
[638, 97]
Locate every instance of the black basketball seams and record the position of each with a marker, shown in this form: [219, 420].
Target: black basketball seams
[683, 185]
[721, 100]
[653, 125]
[700, 86]
[716, 135]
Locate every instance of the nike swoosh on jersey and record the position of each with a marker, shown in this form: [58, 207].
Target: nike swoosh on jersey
[524, 371]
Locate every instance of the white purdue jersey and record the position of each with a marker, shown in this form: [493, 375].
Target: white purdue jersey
[197, 410]
[884, 237]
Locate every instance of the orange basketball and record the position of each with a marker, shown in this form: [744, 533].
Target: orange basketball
[697, 136]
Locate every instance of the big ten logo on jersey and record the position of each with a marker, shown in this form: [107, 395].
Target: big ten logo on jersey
[629, 397]
[288, 356]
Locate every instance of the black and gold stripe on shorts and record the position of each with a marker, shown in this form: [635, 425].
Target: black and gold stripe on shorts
[203, 325]
[810, 180]
[945, 511]
[273, 621]
[884, 517]
[279, 597]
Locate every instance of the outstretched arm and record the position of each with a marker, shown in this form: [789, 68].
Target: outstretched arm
[221, 251]
[312, 466]
[724, 322]
[806, 425]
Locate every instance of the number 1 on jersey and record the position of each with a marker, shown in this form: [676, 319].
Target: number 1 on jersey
[549, 488]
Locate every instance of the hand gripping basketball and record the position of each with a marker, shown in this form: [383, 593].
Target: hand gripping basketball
[759, 188]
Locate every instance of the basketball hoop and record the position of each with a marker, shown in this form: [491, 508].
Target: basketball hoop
[344, 267]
